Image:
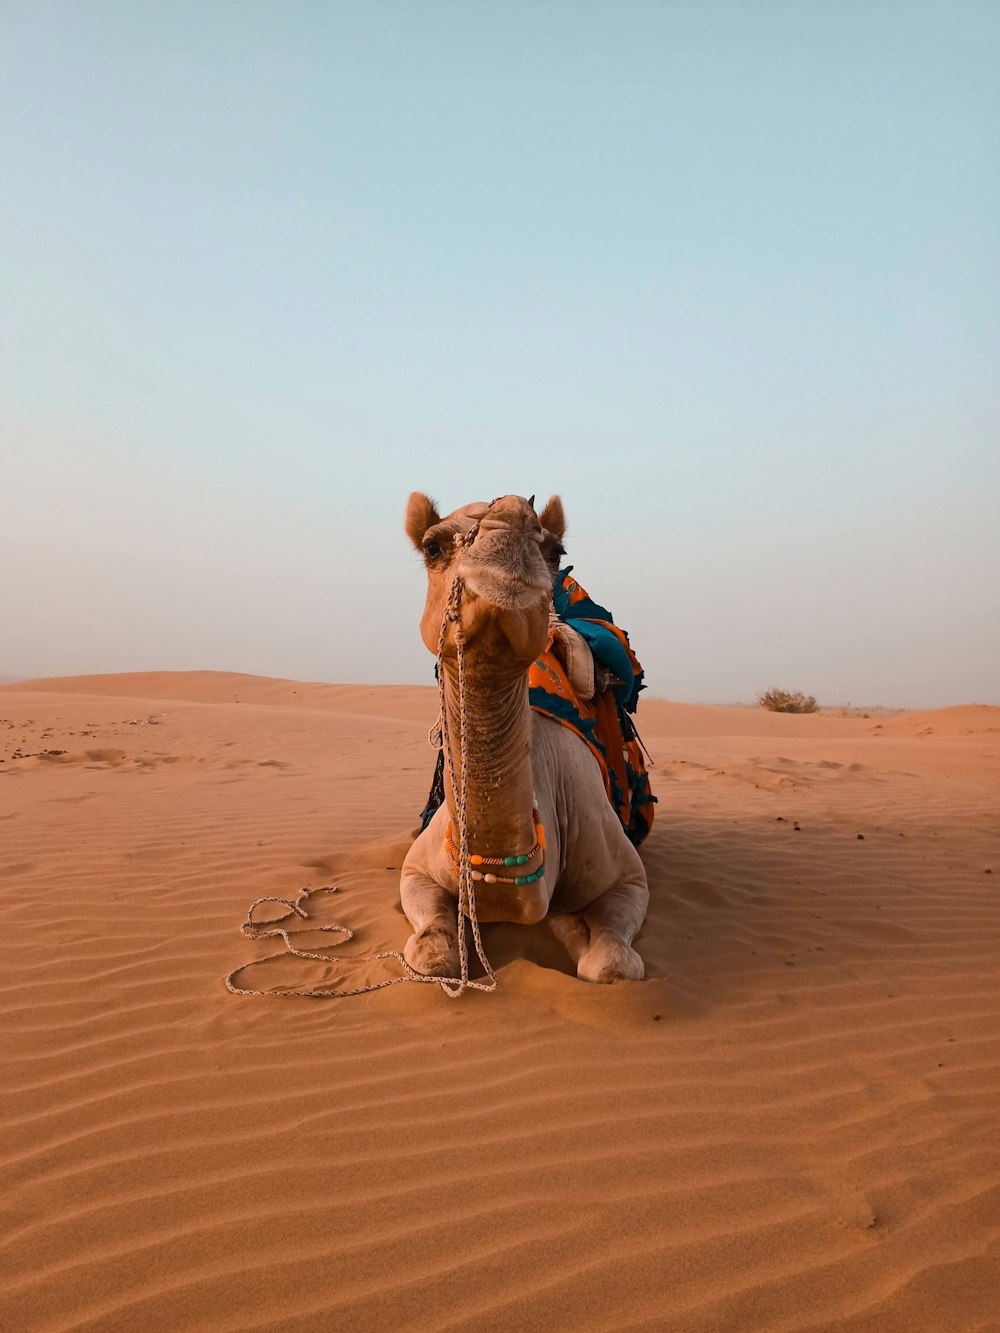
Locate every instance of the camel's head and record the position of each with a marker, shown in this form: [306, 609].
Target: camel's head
[507, 571]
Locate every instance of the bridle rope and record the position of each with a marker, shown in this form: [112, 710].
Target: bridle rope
[460, 791]
[453, 987]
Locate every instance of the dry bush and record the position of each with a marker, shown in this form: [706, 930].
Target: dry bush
[787, 701]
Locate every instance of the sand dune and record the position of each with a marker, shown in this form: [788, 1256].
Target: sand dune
[793, 1123]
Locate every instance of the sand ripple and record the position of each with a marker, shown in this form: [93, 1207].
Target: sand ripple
[793, 1124]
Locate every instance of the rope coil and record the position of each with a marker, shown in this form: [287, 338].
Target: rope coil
[453, 987]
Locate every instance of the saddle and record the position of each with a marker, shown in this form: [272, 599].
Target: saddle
[589, 679]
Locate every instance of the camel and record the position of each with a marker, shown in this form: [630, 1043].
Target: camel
[591, 888]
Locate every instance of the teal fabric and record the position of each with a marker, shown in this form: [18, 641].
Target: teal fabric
[605, 646]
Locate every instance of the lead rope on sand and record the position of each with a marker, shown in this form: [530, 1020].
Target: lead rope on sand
[453, 987]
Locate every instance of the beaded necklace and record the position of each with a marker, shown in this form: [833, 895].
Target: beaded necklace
[521, 859]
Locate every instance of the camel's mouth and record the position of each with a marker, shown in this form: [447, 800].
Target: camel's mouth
[503, 591]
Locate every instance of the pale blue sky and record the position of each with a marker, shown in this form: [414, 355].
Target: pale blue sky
[727, 276]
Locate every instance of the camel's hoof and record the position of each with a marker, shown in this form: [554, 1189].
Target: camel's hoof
[610, 960]
[434, 954]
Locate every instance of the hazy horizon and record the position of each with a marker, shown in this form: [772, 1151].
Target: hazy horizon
[724, 276]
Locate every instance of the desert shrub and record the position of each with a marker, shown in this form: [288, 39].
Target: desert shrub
[787, 701]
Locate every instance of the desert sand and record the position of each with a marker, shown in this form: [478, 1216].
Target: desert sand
[793, 1123]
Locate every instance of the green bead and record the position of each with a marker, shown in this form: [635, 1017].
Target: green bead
[520, 879]
[510, 860]
[539, 872]
[522, 860]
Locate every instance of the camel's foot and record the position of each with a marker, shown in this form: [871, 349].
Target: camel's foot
[610, 959]
[433, 952]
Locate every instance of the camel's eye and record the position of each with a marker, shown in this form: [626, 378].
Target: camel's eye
[432, 550]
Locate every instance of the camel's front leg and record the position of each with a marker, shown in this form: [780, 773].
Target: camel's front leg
[432, 912]
[571, 931]
[613, 920]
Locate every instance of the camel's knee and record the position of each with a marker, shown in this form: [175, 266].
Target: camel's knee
[613, 921]
[620, 910]
[425, 902]
[608, 958]
[433, 952]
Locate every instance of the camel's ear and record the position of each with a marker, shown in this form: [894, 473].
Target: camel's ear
[553, 519]
[421, 514]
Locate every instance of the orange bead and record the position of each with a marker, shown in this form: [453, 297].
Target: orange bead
[476, 860]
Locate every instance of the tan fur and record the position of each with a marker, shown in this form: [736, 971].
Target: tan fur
[553, 519]
[421, 514]
[594, 889]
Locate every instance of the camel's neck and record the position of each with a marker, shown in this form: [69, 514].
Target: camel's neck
[498, 739]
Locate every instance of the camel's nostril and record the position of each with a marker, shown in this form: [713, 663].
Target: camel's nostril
[511, 514]
[504, 524]
[514, 527]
